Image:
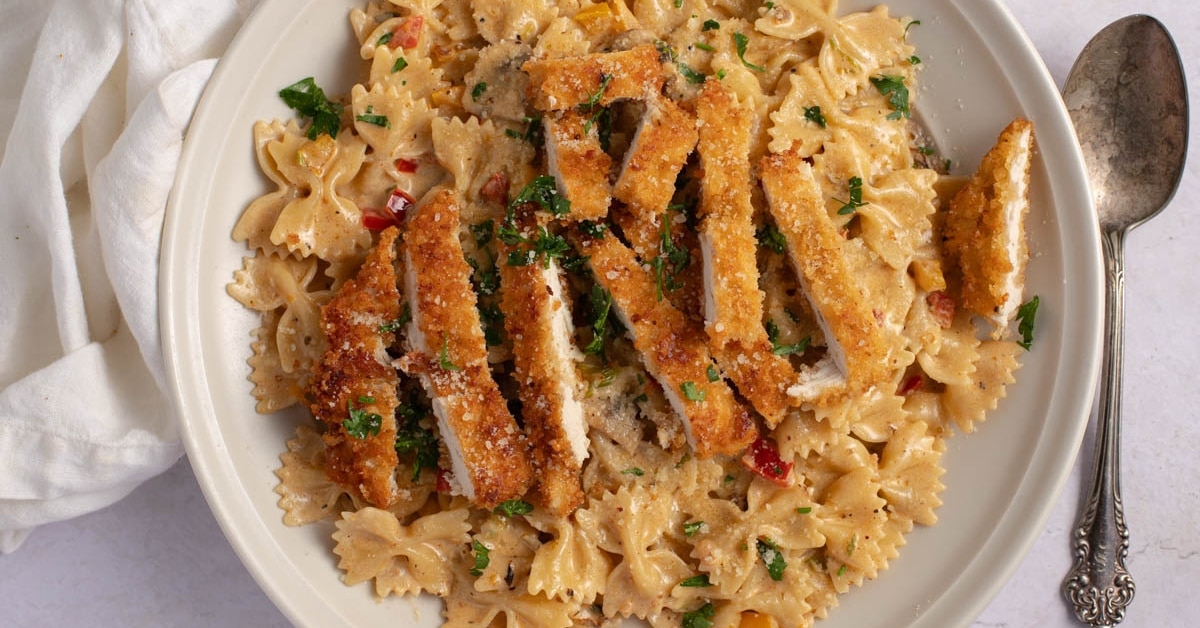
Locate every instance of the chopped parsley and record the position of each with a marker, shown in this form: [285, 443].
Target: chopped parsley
[384, 39]
[712, 373]
[740, 42]
[635, 471]
[910, 25]
[691, 392]
[690, 75]
[914, 60]
[769, 552]
[782, 349]
[678, 4]
[444, 356]
[482, 557]
[700, 618]
[770, 237]
[896, 92]
[513, 507]
[854, 188]
[477, 91]
[710, 25]
[696, 581]
[544, 192]
[361, 423]
[533, 131]
[671, 260]
[804, 510]
[601, 303]
[414, 439]
[594, 230]
[1025, 315]
[399, 64]
[393, 326]
[852, 545]
[491, 317]
[309, 100]
[370, 117]
[813, 114]
[692, 528]
[483, 231]
[595, 97]
[543, 244]
[841, 571]
[705, 47]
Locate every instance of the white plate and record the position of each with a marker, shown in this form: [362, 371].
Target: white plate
[980, 72]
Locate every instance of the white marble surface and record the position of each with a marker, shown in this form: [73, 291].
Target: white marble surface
[158, 558]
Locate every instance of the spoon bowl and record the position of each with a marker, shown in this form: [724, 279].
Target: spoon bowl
[1127, 99]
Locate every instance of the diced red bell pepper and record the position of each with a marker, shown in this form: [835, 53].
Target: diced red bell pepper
[407, 166]
[397, 208]
[407, 33]
[911, 385]
[763, 458]
[443, 481]
[942, 306]
[496, 188]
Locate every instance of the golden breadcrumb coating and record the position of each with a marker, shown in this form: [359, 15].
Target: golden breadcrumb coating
[984, 231]
[578, 163]
[597, 79]
[355, 375]
[537, 319]
[673, 350]
[489, 456]
[852, 332]
[734, 302]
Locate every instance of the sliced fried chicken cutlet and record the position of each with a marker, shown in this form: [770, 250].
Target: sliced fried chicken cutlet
[597, 79]
[984, 230]
[733, 301]
[578, 163]
[857, 351]
[489, 456]
[353, 388]
[672, 349]
[538, 319]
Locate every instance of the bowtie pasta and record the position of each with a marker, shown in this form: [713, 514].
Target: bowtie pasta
[621, 309]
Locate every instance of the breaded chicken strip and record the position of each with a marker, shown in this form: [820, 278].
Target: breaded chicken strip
[538, 320]
[489, 456]
[597, 79]
[672, 350]
[733, 303]
[984, 230]
[578, 164]
[858, 353]
[353, 388]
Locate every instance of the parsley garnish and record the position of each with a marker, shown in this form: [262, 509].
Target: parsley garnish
[633, 471]
[594, 230]
[692, 76]
[399, 64]
[739, 43]
[700, 618]
[852, 545]
[544, 244]
[309, 100]
[692, 392]
[778, 349]
[671, 260]
[513, 507]
[841, 571]
[896, 91]
[478, 91]
[482, 558]
[601, 302]
[712, 373]
[804, 510]
[910, 25]
[412, 438]
[482, 231]
[492, 318]
[692, 528]
[914, 60]
[696, 581]
[533, 131]
[370, 117]
[444, 357]
[710, 25]
[595, 98]
[703, 46]
[384, 39]
[1025, 315]
[813, 114]
[361, 423]
[770, 237]
[769, 552]
[393, 326]
[855, 191]
[543, 191]
[678, 4]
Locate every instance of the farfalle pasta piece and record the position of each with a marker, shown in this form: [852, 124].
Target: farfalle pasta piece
[274, 388]
[895, 216]
[373, 545]
[521, 21]
[393, 123]
[471, 607]
[475, 153]
[257, 221]
[968, 403]
[571, 565]
[268, 282]
[860, 47]
[306, 494]
[953, 362]
[910, 473]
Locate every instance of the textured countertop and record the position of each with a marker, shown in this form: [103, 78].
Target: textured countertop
[158, 557]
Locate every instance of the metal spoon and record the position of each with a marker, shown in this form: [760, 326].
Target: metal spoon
[1128, 102]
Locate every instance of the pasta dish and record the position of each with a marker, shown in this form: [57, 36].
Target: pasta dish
[642, 308]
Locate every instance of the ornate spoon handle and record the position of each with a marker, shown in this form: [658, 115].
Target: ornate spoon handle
[1098, 585]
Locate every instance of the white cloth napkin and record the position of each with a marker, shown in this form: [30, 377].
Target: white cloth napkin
[95, 99]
